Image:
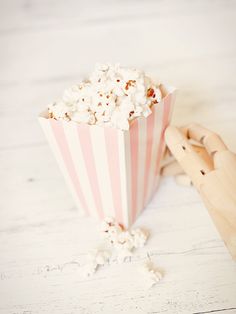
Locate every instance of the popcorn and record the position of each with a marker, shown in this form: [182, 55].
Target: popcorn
[110, 229]
[123, 241]
[83, 117]
[139, 237]
[151, 273]
[71, 95]
[113, 96]
[96, 258]
[59, 110]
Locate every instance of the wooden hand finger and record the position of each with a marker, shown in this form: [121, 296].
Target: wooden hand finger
[172, 169]
[193, 165]
[211, 141]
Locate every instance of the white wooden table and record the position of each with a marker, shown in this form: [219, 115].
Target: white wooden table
[46, 46]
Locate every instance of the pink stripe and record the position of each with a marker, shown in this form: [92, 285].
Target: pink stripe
[112, 149]
[165, 120]
[134, 143]
[60, 137]
[149, 143]
[87, 151]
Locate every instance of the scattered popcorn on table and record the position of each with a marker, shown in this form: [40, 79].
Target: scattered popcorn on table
[96, 258]
[151, 273]
[122, 240]
[113, 96]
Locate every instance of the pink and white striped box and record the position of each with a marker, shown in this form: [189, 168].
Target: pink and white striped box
[111, 172]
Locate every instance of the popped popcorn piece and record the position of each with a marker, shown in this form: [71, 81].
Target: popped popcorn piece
[59, 111]
[110, 229]
[96, 258]
[107, 223]
[139, 237]
[113, 96]
[151, 273]
[83, 117]
[122, 240]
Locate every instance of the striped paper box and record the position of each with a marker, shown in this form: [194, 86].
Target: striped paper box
[111, 172]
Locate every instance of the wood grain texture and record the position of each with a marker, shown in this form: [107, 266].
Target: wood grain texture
[46, 46]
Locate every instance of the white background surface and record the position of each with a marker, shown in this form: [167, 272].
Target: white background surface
[45, 46]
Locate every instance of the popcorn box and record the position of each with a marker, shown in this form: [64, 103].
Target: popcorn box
[111, 172]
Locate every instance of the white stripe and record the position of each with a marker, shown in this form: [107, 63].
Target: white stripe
[158, 116]
[157, 178]
[46, 126]
[71, 133]
[142, 144]
[125, 175]
[102, 168]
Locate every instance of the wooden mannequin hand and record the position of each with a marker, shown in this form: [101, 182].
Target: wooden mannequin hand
[211, 168]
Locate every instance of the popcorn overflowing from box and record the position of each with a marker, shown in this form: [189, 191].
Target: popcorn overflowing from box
[113, 96]
[107, 136]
